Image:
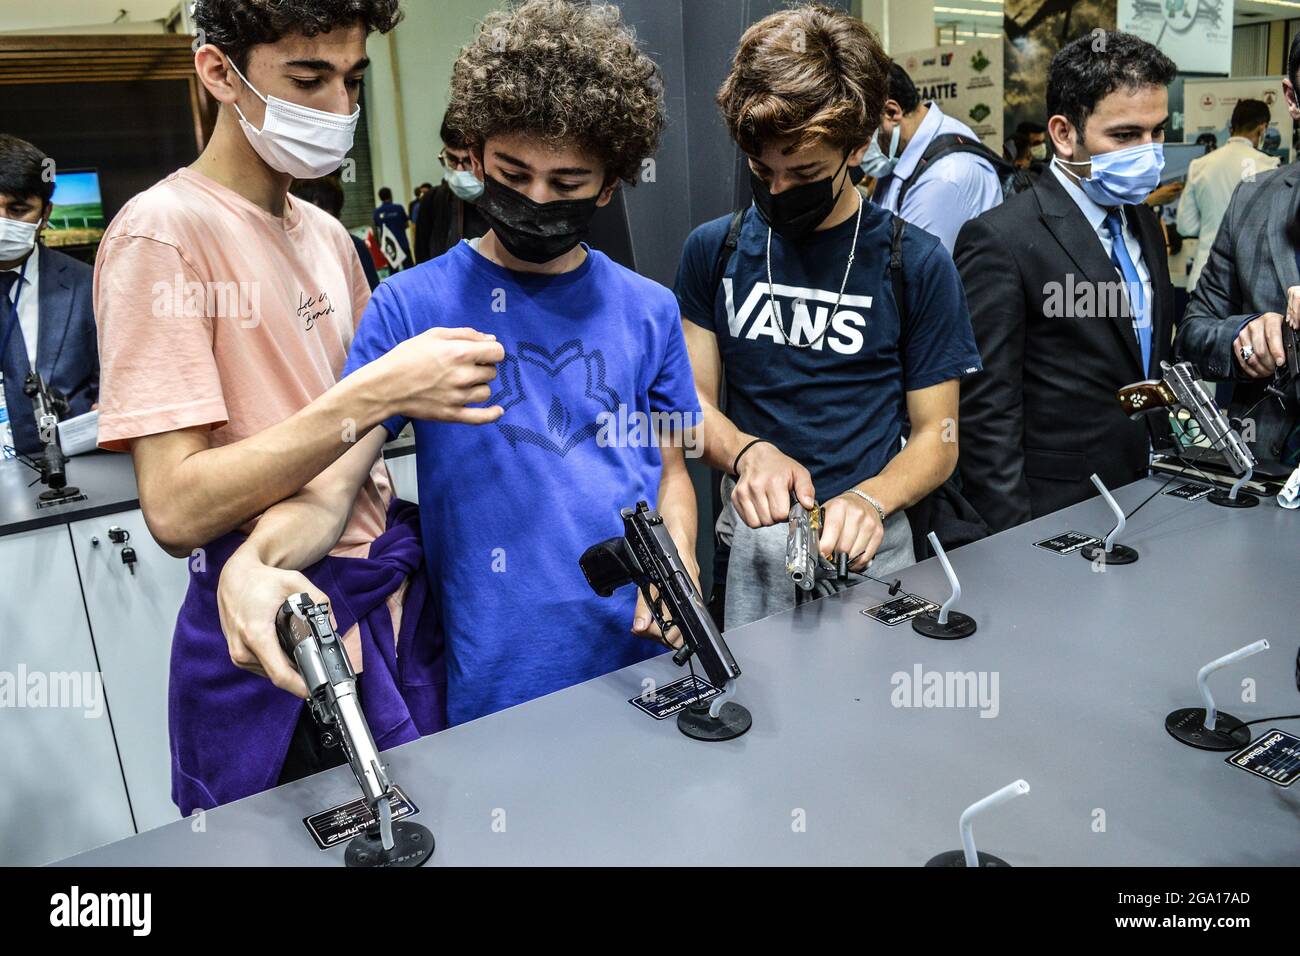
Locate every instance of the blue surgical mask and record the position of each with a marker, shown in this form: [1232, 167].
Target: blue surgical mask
[875, 163]
[1123, 176]
[464, 184]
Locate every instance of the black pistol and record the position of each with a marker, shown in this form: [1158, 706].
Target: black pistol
[646, 556]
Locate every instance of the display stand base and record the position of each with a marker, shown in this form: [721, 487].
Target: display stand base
[732, 721]
[58, 494]
[412, 846]
[958, 859]
[959, 625]
[1120, 554]
[1188, 726]
[1244, 499]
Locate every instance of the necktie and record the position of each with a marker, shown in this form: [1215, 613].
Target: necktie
[1138, 306]
[10, 335]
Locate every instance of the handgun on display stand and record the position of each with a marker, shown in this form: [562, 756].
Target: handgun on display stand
[308, 637]
[48, 405]
[1180, 388]
[646, 556]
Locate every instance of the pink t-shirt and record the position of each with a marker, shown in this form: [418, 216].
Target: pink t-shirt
[213, 312]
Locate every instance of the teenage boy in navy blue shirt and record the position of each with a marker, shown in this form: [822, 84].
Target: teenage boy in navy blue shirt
[826, 372]
[507, 508]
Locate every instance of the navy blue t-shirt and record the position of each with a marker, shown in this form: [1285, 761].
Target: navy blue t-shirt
[838, 407]
[507, 509]
[393, 216]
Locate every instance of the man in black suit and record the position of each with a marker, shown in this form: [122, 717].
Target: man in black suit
[47, 322]
[1064, 314]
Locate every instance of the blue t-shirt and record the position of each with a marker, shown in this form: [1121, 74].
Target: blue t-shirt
[839, 406]
[507, 509]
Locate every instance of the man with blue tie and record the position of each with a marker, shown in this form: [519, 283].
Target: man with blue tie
[1069, 292]
[46, 319]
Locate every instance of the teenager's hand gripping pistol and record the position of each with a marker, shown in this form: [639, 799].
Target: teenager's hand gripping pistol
[308, 637]
[803, 560]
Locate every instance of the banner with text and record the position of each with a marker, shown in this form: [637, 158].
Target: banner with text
[965, 81]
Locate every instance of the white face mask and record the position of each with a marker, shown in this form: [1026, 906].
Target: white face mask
[17, 238]
[298, 140]
[464, 184]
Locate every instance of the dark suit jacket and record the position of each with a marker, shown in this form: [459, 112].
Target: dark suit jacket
[67, 353]
[1042, 416]
[443, 220]
[1252, 264]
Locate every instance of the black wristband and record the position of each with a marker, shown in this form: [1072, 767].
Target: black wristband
[736, 464]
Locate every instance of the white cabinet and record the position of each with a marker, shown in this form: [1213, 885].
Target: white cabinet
[61, 780]
[132, 617]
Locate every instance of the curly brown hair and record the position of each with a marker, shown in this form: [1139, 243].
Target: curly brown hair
[236, 26]
[565, 73]
[809, 73]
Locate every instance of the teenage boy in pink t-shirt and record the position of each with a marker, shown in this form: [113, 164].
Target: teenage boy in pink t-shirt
[226, 310]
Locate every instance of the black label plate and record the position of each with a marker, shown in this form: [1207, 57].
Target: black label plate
[340, 824]
[666, 701]
[1067, 542]
[900, 609]
[1191, 490]
[1275, 756]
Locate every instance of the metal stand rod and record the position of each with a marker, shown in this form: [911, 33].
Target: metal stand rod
[1211, 712]
[1114, 506]
[715, 705]
[952, 578]
[1010, 791]
[1236, 487]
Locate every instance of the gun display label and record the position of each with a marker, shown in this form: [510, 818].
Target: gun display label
[1067, 542]
[1275, 756]
[666, 700]
[900, 609]
[1191, 490]
[338, 825]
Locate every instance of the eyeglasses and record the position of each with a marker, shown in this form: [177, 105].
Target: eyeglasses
[455, 163]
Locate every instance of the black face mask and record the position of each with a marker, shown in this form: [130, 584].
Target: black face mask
[794, 213]
[534, 231]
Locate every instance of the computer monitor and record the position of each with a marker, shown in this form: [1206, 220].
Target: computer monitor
[78, 215]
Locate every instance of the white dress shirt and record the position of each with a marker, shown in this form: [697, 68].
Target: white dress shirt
[29, 303]
[1096, 216]
[1211, 180]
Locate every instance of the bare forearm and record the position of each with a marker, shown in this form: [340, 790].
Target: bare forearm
[923, 465]
[722, 439]
[216, 490]
[677, 507]
[301, 530]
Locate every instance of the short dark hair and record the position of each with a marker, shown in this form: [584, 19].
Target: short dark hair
[385, 194]
[24, 169]
[326, 192]
[1293, 60]
[901, 88]
[1030, 128]
[236, 26]
[1087, 70]
[451, 136]
[1249, 114]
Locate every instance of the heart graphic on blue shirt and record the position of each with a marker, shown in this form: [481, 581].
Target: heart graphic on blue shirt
[553, 400]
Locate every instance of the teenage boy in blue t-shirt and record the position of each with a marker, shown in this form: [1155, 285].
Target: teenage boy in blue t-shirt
[592, 350]
[825, 371]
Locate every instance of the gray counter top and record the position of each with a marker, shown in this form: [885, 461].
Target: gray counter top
[834, 772]
[107, 479]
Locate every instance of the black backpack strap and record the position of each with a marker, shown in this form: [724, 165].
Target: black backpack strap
[896, 267]
[945, 145]
[729, 244]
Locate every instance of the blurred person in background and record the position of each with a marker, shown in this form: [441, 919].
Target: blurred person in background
[47, 322]
[448, 214]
